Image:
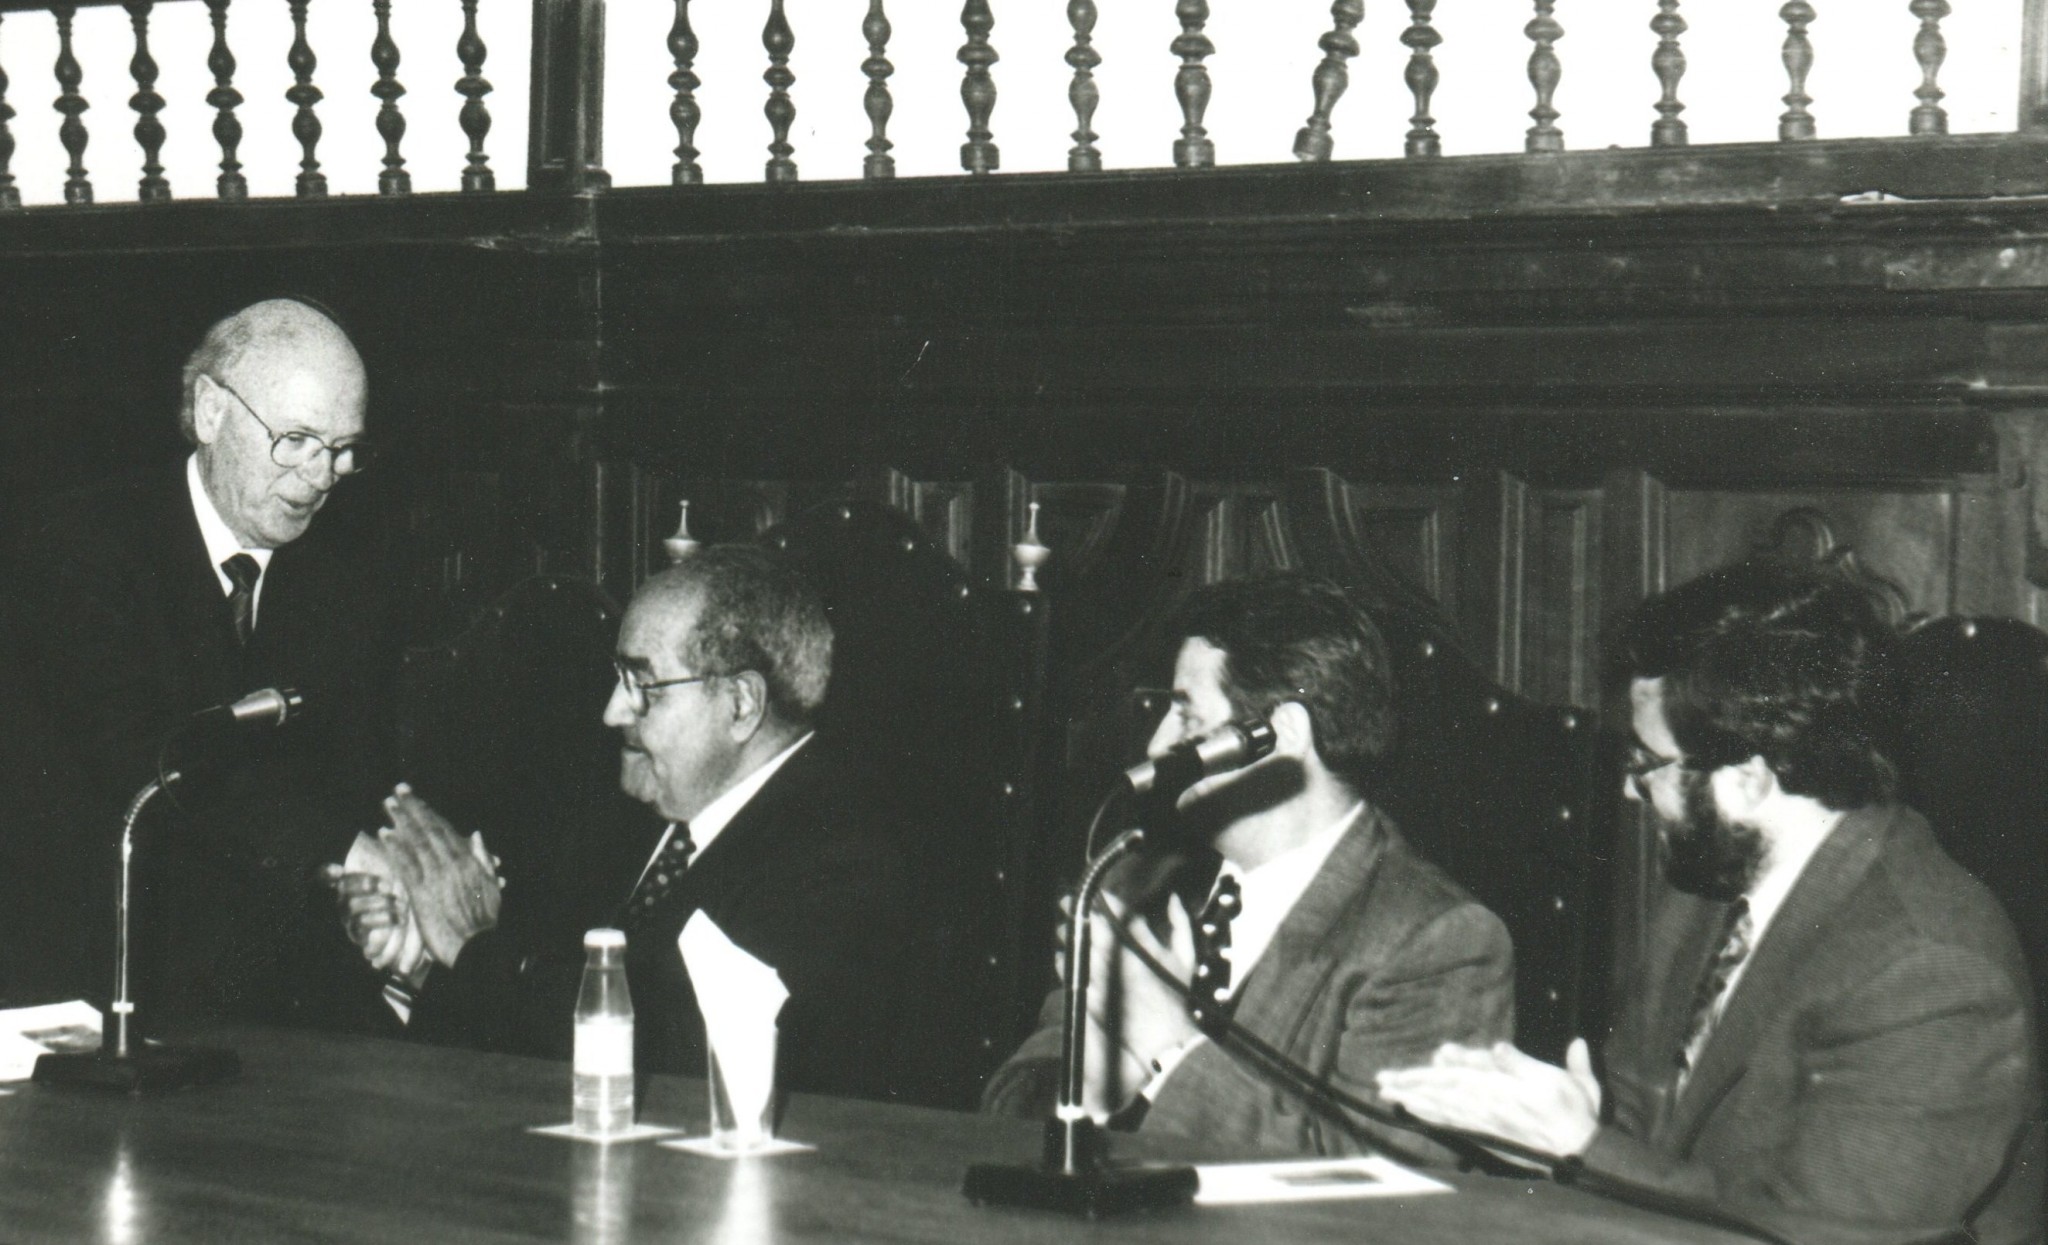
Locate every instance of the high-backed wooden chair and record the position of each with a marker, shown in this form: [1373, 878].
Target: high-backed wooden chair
[933, 684]
[1508, 797]
[1976, 760]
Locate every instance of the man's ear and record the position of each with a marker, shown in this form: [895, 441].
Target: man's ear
[747, 703]
[1747, 786]
[1293, 735]
[206, 412]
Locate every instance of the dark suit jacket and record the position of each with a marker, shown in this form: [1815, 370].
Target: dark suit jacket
[1382, 959]
[126, 633]
[1875, 1068]
[802, 879]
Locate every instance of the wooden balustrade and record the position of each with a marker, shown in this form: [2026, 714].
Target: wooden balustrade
[567, 88]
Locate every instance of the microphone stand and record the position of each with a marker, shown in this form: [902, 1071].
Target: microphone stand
[122, 1063]
[1075, 1174]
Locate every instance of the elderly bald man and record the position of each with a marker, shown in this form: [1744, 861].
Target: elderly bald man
[148, 598]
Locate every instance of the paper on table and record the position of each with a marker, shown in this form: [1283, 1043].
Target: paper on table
[28, 1033]
[740, 998]
[1310, 1180]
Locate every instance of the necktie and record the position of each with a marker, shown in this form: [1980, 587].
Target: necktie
[1208, 993]
[660, 878]
[1735, 937]
[243, 573]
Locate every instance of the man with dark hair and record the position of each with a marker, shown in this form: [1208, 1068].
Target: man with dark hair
[723, 661]
[1838, 1040]
[143, 600]
[1323, 934]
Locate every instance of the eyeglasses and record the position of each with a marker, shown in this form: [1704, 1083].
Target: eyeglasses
[293, 450]
[637, 688]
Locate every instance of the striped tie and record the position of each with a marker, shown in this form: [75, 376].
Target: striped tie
[1735, 936]
[243, 573]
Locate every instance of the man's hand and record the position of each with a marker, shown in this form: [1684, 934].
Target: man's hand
[1153, 1015]
[454, 895]
[1500, 1091]
[374, 913]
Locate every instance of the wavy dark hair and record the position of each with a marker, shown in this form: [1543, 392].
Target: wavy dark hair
[1790, 665]
[756, 612]
[1288, 636]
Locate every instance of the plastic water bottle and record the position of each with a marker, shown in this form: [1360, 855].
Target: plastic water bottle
[602, 1098]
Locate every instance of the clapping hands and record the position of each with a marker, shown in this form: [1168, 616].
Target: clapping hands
[442, 891]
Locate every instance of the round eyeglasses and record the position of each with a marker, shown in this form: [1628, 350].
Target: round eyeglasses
[292, 450]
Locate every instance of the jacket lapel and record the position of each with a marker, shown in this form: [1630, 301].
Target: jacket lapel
[197, 611]
[1835, 870]
[1292, 965]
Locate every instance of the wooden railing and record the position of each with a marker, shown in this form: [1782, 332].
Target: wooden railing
[567, 88]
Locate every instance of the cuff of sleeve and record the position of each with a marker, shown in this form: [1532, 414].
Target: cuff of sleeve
[1163, 1066]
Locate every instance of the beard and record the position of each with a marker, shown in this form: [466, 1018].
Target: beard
[1704, 853]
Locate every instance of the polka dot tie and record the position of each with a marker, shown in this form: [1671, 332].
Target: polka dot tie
[660, 878]
[1208, 1000]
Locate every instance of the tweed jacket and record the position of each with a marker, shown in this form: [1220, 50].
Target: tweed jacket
[1381, 960]
[1874, 1073]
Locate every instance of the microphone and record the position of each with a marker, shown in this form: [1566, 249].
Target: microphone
[1228, 747]
[270, 706]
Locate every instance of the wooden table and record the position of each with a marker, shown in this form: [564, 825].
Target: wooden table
[342, 1139]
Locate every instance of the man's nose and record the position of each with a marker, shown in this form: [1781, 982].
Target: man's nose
[618, 711]
[319, 470]
[1163, 738]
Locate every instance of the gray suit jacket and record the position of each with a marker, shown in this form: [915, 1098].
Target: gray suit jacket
[1874, 1074]
[1382, 959]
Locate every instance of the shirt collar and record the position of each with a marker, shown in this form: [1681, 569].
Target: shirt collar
[1772, 886]
[712, 821]
[221, 543]
[1269, 892]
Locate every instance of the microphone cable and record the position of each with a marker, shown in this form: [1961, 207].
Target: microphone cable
[1477, 1149]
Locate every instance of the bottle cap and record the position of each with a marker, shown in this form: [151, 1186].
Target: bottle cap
[604, 939]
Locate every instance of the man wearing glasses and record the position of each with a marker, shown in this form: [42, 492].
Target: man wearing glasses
[147, 599]
[1833, 1030]
[722, 662]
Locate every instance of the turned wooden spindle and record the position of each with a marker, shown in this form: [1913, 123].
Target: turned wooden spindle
[683, 111]
[1193, 149]
[1797, 123]
[779, 39]
[149, 132]
[393, 180]
[875, 28]
[1544, 30]
[1668, 63]
[978, 88]
[1421, 39]
[1082, 93]
[70, 103]
[1330, 80]
[10, 194]
[224, 99]
[312, 183]
[476, 117]
[1930, 49]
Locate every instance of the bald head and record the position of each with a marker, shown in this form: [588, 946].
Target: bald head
[263, 338]
[276, 369]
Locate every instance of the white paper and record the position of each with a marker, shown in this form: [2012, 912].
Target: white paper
[1310, 1180]
[740, 998]
[28, 1033]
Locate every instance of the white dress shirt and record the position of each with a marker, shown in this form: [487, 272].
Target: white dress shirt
[221, 543]
[1266, 895]
[707, 825]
